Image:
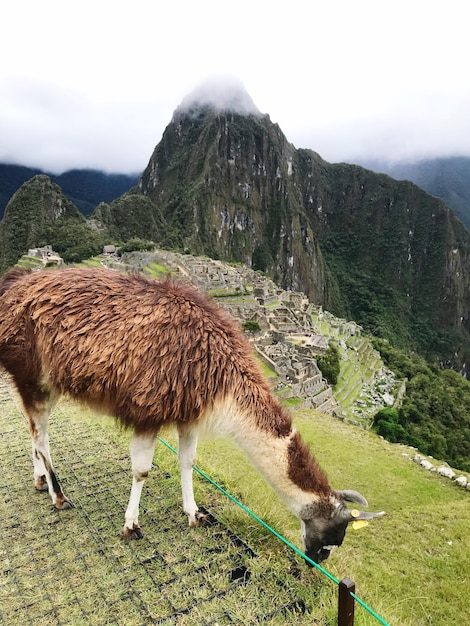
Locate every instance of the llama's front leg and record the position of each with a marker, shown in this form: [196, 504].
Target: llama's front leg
[187, 457]
[142, 450]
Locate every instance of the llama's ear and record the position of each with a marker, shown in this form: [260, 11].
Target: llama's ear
[353, 515]
[352, 496]
[364, 515]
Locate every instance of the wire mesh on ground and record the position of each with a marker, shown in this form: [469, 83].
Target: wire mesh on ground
[73, 567]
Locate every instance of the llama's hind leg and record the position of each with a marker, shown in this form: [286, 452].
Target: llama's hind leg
[45, 477]
[187, 445]
[142, 450]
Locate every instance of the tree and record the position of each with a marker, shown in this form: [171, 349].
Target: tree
[329, 364]
[74, 240]
[251, 326]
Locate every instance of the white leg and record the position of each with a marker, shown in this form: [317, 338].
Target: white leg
[40, 471]
[44, 474]
[187, 457]
[142, 450]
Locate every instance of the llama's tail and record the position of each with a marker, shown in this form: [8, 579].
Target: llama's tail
[12, 276]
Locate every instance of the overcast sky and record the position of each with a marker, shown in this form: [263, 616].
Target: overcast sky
[94, 83]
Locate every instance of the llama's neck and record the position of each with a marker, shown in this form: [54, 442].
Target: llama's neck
[280, 456]
[286, 464]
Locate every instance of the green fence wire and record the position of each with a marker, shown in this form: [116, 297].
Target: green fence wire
[279, 536]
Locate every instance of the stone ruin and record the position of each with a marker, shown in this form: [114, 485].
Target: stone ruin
[46, 255]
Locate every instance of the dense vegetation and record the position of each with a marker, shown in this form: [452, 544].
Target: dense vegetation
[434, 415]
[447, 177]
[329, 364]
[73, 240]
[251, 326]
[386, 244]
[131, 216]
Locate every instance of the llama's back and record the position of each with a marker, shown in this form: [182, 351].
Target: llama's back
[147, 352]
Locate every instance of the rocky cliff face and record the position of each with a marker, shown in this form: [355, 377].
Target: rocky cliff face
[400, 257]
[228, 183]
[446, 177]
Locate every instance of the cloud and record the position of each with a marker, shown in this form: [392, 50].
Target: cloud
[95, 84]
[222, 93]
[56, 128]
[409, 127]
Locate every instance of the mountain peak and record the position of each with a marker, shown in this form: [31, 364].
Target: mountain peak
[222, 94]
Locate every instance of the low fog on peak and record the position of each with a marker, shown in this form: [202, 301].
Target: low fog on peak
[227, 95]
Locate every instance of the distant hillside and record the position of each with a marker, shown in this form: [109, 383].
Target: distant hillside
[39, 214]
[446, 178]
[85, 188]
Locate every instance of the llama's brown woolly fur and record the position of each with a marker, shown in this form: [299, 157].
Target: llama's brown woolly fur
[144, 351]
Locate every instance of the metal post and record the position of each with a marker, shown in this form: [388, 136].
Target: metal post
[346, 602]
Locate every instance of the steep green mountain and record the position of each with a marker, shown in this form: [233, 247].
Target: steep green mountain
[227, 183]
[85, 188]
[11, 179]
[448, 178]
[134, 216]
[39, 214]
[400, 257]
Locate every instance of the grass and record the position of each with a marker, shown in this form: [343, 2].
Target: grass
[268, 372]
[156, 270]
[95, 261]
[72, 567]
[30, 262]
[293, 402]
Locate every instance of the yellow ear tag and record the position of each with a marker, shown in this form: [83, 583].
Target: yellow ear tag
[359, 523]
[355, 513]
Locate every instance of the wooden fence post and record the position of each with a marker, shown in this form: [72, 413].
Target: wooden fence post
[346, 602]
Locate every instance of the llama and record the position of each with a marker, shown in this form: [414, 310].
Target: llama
[154, 354]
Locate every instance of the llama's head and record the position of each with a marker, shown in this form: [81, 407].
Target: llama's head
[324, 522]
